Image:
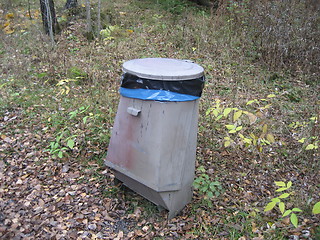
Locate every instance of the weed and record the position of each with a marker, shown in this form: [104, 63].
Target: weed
[78, 111]
[76, 72]
[284, 187]
[278, 200]
[206, 186]
[310, 142]
[240, 132]
[61, 144]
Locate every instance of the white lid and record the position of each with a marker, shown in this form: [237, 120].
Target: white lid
[163, 69]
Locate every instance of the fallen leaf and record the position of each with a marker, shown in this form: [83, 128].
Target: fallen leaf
[108, 218]
[41, 203]
[119, 236]
[92, 227]
[258, 238]
[6, 139]
[19, 182]
[9, 16]
[8, 30]
[65, 168]
[145, 228]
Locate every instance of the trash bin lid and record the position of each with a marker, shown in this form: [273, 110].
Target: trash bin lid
[166, 69]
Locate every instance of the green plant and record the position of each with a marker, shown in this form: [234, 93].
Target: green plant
[76, 72]
[282, 207]
[81, 110]
[114, 32]
[109, 32]
[281, 204]
[311, 142]
[61, 144]
[316, 208]
[78, 111]
[68, 137]
[245, 131]
[206, 186]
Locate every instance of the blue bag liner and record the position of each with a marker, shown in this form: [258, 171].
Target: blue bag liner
[156, 95]
[173, 91]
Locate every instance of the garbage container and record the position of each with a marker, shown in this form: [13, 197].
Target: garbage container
[152, 149]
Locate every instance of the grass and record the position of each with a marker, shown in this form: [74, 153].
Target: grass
[236, 72]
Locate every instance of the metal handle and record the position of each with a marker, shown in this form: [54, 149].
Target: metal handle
[133, 111]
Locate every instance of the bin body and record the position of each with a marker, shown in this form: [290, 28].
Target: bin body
[152, 149]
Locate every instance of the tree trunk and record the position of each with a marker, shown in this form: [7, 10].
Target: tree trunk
[29, 10]
[71, 4]
[99, 18]
[49, 19]
[89, 33]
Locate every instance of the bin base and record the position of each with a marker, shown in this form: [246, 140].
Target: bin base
[173, 201]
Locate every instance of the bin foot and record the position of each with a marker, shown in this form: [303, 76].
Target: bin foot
[173, 201]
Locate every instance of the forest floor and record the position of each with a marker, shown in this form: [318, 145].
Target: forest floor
[57, 109]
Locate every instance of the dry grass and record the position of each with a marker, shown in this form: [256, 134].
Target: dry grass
[282, 35]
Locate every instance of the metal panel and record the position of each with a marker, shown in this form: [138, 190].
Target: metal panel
[156, 145]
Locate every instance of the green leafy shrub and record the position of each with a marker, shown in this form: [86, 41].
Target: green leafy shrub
[284, 187]
[282, 207]
[114, 32]
[206, 186]
[301, 129]
[69, 139]
[242, 127]
[61, 144]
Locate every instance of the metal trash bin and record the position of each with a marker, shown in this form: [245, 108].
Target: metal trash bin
[152, 149]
